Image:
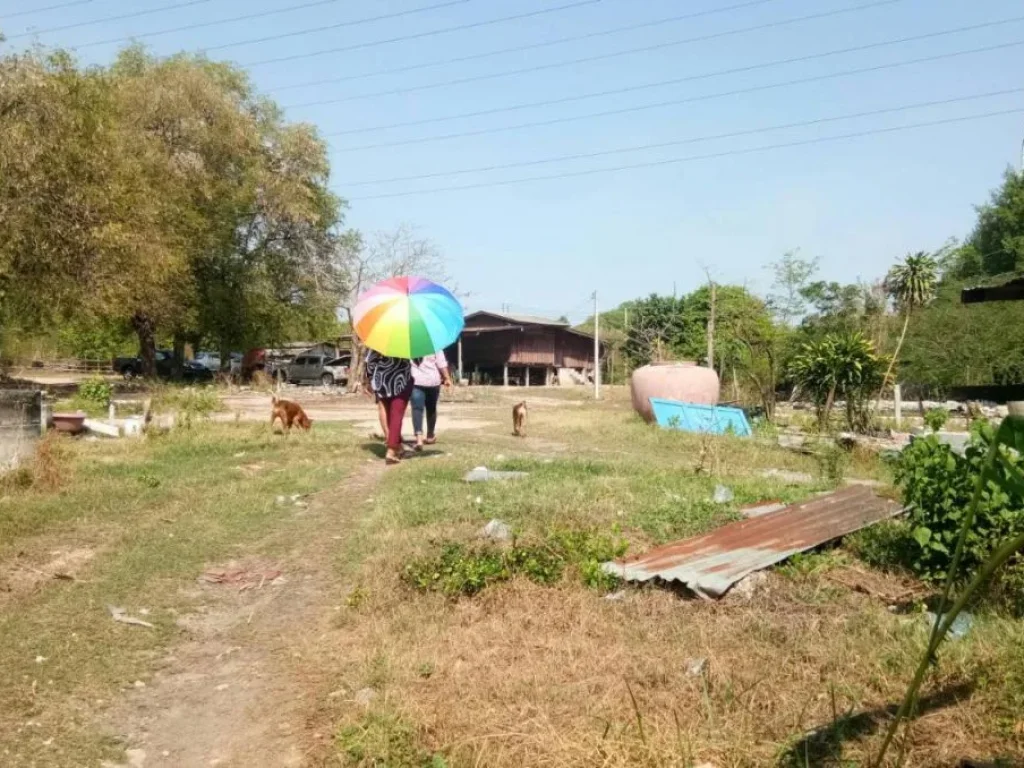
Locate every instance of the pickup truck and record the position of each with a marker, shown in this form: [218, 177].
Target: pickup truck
[131, 367]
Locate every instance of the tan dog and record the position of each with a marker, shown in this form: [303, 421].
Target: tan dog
[519, 419]
[289, 413]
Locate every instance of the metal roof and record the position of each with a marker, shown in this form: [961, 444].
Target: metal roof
[711, 564]
[525, 319]
[1010, 290]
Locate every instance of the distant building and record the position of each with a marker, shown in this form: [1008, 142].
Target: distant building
[522, 350]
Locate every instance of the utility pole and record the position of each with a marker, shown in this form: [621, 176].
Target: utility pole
[597, 352]
[711, 327]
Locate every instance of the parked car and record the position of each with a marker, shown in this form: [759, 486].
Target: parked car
[211, 361]
[130, 367]
[325, 370]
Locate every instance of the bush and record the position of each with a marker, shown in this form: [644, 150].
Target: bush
[460, 570]
[96, 391]
[936, 418]
[888, 545]
[937, 486]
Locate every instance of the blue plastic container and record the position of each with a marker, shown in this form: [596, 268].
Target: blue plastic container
[707, 419]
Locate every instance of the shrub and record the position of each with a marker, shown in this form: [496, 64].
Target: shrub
[936, 418]
[887, 545]
[937, 485]
[460, 570]
[96, 391]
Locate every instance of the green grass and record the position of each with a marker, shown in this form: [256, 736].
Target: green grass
[155, 511]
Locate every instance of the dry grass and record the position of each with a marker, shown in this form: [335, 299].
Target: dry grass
[525, 675]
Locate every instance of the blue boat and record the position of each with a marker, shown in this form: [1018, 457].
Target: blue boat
[707, 419]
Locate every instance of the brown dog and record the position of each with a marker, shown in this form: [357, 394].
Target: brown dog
[289, 413]
[519, 419]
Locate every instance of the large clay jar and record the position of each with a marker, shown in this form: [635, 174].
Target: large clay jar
[683, 381]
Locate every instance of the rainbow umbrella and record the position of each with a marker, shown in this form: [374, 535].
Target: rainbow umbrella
[408, 317]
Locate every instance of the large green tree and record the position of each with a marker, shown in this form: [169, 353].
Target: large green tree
[996, 245]
[162, 193]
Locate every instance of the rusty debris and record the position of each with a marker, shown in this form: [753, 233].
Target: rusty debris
[711, 564]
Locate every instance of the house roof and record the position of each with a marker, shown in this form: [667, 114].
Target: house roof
[523, 319]
[1011, 290]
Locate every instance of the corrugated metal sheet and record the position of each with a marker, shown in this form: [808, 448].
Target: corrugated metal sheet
[710, 564]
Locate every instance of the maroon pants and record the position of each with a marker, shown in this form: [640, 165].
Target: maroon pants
[395, 408]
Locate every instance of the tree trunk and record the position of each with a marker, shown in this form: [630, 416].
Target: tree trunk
[826, 413]
[145, 329]
[225, 357]
[178, 362]
[895, 355]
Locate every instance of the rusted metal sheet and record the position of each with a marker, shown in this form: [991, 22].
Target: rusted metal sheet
[710, 564]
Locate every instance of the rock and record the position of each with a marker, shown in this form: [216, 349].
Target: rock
[496, 530]
[139, 684]
[722, 495]
[788, 476]
[617, 596]
[485, 475]
[749, 586]
[134, 758]
[696, 667]
[365, 697]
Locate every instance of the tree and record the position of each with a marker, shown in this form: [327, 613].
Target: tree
[912, 286]
[161, 193]
[389, 253]
[996, 246]
[787, 301]
[657, 329]
[840, 365]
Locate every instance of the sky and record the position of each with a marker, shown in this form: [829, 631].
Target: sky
[729, 144]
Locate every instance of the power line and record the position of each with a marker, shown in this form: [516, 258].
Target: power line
[693, 140]
[676, 80]
[522, 48]
[691, 158]
[420, 35]
[676, 102]
[121, 17]
[591, 59]
[204, 24]
[325, 27]
[47, 8]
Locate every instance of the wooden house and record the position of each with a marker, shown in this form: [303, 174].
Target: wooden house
[500, 348]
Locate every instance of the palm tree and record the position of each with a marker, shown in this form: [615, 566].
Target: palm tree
[912, 285]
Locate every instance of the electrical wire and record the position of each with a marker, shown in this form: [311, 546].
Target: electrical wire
[522, 48]
[121, 17]
[205, 24]
[598, 57]
[692, 158]
[5, 16]
[693, 140]
[421, 35]
[676, 102]
[339, 25]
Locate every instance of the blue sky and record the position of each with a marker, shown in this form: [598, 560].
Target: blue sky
[543, 246]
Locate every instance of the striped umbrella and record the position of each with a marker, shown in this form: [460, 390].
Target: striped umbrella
[408, 317]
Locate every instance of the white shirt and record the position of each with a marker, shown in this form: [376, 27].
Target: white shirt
[428, 372]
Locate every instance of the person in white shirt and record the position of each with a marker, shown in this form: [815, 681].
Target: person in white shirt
[428, 375]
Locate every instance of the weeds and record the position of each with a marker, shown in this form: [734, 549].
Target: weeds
[385, 740]
[458, 570]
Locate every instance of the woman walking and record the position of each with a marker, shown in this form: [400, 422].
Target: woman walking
[391, 381]
[428, 374]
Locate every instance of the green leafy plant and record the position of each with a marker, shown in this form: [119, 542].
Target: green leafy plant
[839, 366]
[458, 570]
[385, 740]
[935, 419]
[938, 485]
[1000, 471]
[832, 463]
[95, 390]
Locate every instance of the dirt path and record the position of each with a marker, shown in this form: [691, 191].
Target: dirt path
[242, 691]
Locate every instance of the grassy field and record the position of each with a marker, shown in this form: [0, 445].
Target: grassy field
[492, 664]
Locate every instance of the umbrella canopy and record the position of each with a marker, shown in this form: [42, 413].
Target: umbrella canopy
[408, 317]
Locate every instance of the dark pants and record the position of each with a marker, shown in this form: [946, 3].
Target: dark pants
[396, 413]
[424, 398]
